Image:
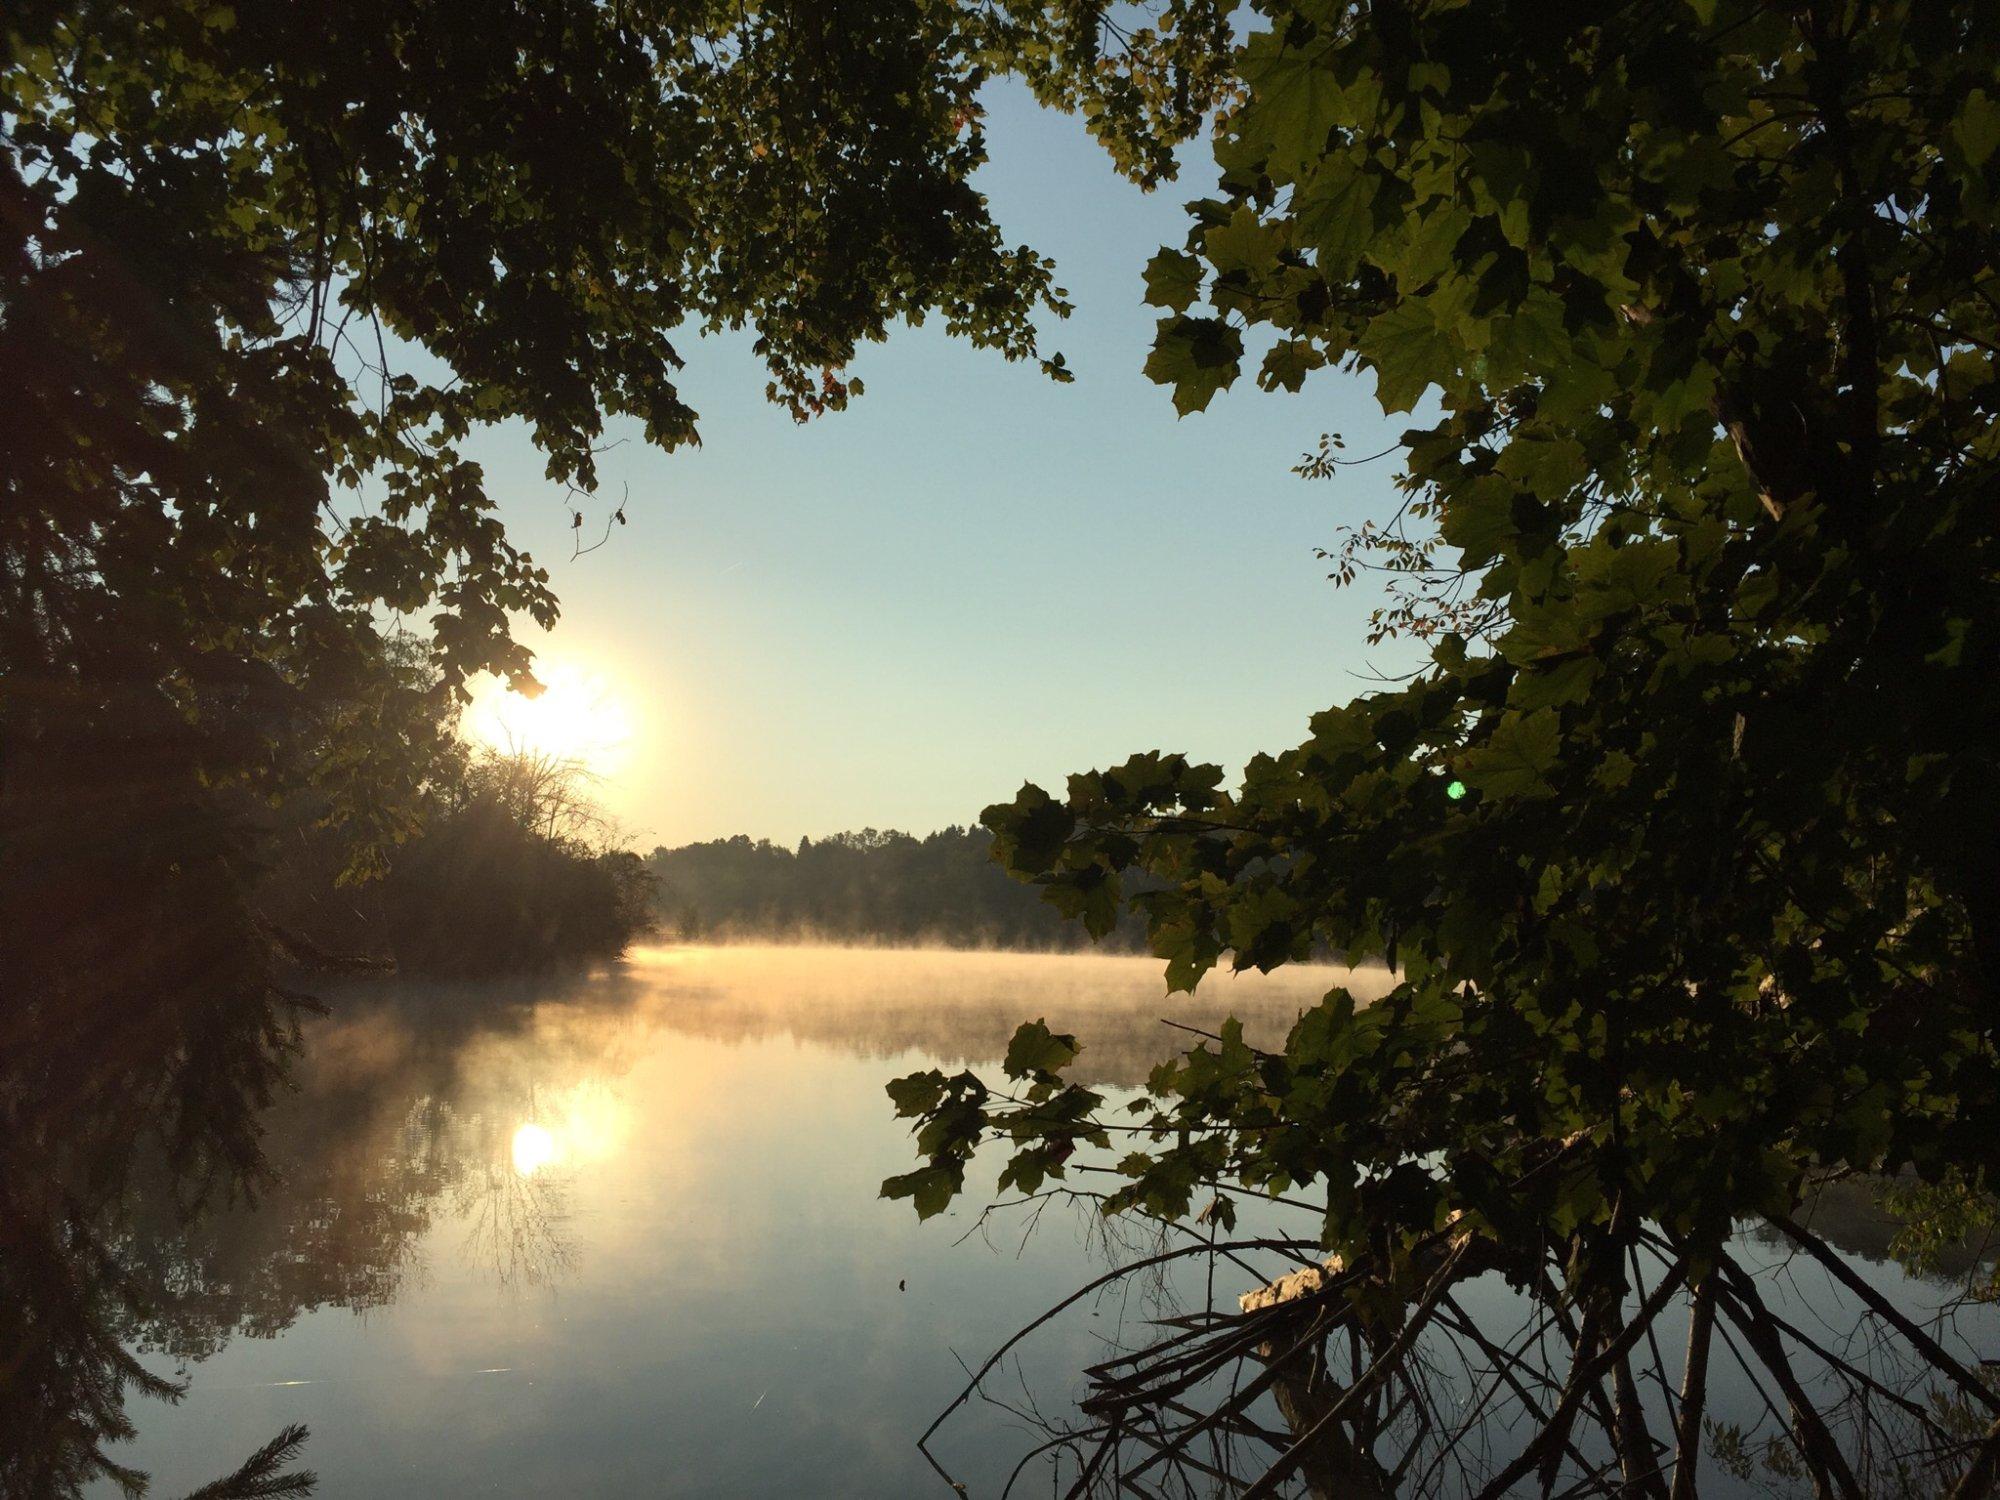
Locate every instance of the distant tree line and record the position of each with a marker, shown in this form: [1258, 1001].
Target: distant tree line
[873, 886]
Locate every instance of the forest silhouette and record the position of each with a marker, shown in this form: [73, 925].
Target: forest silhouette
[868, 886]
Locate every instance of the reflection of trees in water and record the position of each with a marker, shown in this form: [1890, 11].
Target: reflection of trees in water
[403, 1122]
[371, 1161]
[513, 1219]
[403, 1126]
[1862, 1214]
[135, 1057]
[514, 1226]
[145, 1257]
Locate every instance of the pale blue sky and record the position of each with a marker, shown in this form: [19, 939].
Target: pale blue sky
[973, 576]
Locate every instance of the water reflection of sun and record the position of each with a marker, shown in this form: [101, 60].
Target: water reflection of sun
[534, 1148]
[578, 716]
[582, 1123]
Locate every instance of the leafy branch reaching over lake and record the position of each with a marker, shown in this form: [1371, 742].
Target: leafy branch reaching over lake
[1687, 839]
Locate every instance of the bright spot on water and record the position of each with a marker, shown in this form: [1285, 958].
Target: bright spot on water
[534, 1148]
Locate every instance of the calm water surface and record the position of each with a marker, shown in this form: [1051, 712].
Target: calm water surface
[621, 1236]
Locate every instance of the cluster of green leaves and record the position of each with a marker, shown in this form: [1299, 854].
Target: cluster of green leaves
[1045, 1118]
[1686, 856]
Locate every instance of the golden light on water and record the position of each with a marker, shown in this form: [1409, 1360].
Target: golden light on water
[579, 716]
[534, 1148]
[573, 1125]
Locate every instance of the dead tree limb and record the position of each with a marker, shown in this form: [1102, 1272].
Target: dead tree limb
[1694, 1389]
[1739, 1302]
[1583, 1375]
[1384, 1364]
[1922, 1342]
[1977, 1481]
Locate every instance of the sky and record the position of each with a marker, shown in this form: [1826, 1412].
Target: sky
[894, 615]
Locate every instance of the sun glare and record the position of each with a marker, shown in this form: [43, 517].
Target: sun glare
[582, 1122]
[578, 716]
[534, 1148]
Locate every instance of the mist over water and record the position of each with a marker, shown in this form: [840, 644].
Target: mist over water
[958, 1008]
[620, 1235]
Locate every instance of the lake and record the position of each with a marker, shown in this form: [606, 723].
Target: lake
[621, 1235]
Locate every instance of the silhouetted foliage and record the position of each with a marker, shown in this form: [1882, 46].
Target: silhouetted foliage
[506, 864]
[264, 1472]
[477, 893]
[1687, 838]
[869, 886]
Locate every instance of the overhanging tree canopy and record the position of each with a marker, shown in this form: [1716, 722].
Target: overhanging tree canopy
[225, 230]
[223, 224]
[1685, 841]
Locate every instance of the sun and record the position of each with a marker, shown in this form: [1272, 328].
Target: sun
[578, 716]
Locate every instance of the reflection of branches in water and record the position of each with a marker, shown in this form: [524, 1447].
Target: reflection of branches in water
[513, 1220]
[265, 1473]
[1477, 1371]
[514, 1224]
[102, 1262]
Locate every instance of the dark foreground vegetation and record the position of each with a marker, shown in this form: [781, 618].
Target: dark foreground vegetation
[483, 887]
[871, 886]
[1684, 838]
[507, 867]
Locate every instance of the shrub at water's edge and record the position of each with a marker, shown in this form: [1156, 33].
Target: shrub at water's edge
[512, 870]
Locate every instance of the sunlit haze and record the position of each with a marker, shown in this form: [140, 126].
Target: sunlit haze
[581, 715]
